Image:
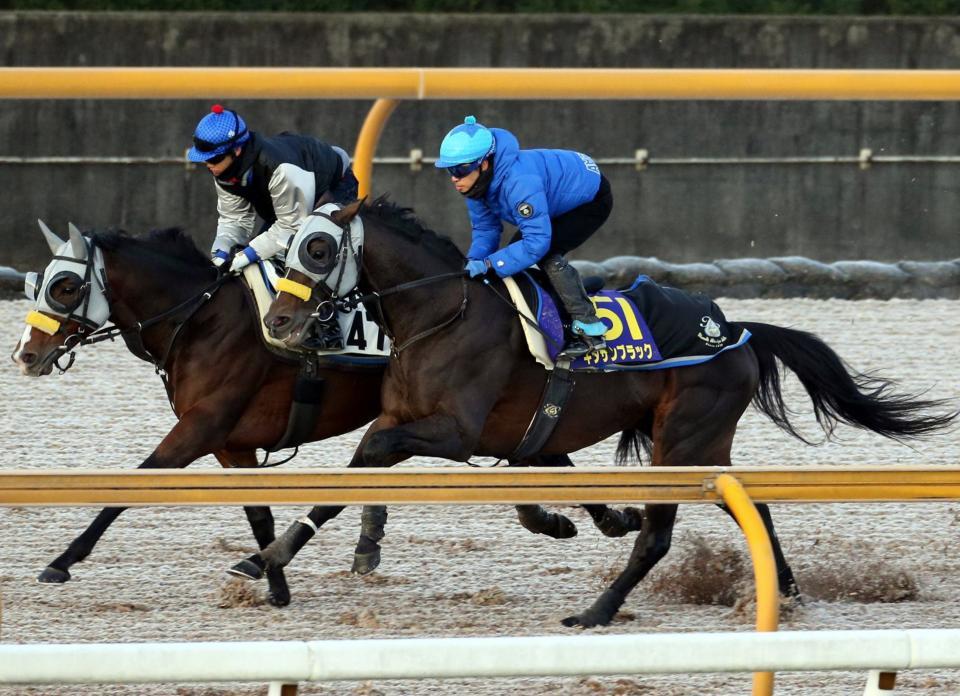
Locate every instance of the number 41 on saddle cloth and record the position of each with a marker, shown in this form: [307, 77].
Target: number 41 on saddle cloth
[364, 341]
[650, 327]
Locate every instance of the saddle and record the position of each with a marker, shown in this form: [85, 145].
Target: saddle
[364, 341]
[651, 327]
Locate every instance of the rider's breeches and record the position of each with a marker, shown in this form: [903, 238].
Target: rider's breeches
[569, 231]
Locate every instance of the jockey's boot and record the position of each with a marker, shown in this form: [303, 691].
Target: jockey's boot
[587, 328]
[324, 335]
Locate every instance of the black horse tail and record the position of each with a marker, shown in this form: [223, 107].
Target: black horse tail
[839, 394]
[633, 444]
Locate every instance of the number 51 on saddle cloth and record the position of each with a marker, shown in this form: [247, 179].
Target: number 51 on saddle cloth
[650, 326]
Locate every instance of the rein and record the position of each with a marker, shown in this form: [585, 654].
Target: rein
[352, 302]
[110, 333]
[530, 322]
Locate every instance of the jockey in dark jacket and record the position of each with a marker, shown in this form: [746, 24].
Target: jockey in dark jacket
[281, 179]
[556, 198]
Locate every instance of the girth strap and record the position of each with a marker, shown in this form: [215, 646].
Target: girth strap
[545, 418]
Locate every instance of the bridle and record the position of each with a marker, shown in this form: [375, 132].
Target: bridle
[335, 298]
[95, 271]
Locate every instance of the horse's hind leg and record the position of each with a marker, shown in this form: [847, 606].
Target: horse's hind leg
[366, 557]
[651, 545]
[610, 521]
[785, 580]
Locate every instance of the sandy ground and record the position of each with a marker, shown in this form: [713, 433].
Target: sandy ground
[157, 575]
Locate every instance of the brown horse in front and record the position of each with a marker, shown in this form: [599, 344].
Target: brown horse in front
[470, 385]
[231, 395]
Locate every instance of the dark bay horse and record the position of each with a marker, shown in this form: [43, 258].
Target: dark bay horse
[230, 394]
[465, 384]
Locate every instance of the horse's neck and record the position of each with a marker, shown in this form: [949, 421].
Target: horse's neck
[140, 293]
[391, 259]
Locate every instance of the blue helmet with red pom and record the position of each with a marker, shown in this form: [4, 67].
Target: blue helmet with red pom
[217, 133]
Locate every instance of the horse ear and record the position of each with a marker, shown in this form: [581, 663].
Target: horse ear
[77, 242]
[348, 212]
[53, 241]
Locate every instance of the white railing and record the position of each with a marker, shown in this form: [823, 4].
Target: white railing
[290, 662]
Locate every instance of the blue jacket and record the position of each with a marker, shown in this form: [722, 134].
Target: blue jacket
[527, 189]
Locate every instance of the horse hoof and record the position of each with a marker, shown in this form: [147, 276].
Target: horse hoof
[633, 519]
[279, 592]
[364, 563]
[565, 529]
[51, 575]
[278, 599]
[247, 569]
[587, 619]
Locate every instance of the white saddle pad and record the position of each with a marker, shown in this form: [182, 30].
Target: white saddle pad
[362, 338]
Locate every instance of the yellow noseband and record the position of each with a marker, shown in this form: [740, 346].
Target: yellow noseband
[294, 288]
[42, 322]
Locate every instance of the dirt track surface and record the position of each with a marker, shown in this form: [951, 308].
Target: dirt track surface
[157, 575]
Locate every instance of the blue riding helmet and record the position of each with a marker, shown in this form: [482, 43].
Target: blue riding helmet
[217, 133]
[465, 147]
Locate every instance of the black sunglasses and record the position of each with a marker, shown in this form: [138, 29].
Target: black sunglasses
[458, 171]
[217, 159]
[207, 146]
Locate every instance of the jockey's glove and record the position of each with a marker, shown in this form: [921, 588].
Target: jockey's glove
[477, 267]
[220, 257]
[244, 258]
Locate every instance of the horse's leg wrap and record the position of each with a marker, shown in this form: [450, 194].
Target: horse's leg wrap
[615, 523]
[536, 519]
[285, 547]
[366, 557]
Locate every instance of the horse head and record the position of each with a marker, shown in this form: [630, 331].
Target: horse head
[70, 301]
[323, 265]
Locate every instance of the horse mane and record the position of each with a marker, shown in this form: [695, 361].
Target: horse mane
[171, 242]
[404, 221]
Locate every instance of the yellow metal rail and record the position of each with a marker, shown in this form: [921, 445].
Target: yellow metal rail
[764, 565]
[733, 486]
[474, 83]
[475, 486]
[387, 85]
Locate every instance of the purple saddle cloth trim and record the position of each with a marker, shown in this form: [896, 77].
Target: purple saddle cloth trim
[691, 329]
[632, 341]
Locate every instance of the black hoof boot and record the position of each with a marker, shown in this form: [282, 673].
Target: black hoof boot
[251, 568]
[366, 562]
[616, 523]
[54, 576]
[562, 529]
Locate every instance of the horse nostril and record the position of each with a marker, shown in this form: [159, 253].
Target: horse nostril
[28, 358]
[279, 321]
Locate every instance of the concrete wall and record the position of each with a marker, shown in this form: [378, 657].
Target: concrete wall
[678, 213]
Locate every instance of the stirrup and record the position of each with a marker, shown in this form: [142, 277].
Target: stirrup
[580, 345]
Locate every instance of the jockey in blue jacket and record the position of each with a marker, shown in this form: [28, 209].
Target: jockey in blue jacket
[556, 198]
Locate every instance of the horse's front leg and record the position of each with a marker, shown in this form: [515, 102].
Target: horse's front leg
[187, 440]
[651, 545]
[287, 545]
[260, 518]
[537, 519]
